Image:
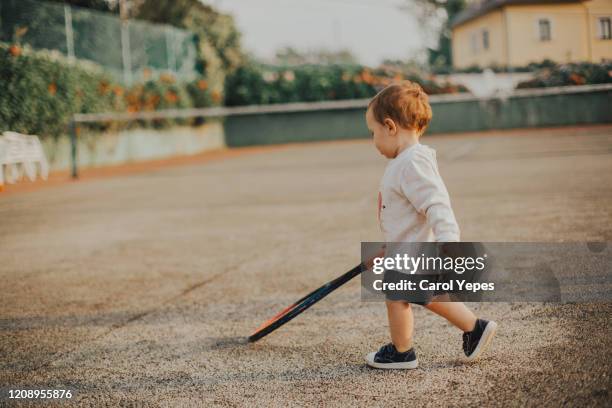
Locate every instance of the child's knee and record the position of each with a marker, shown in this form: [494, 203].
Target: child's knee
[397, 304]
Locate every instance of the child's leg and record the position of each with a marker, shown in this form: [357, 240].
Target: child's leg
[455, 312]
[401, 324]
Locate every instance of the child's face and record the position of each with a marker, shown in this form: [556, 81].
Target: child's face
[384, 134]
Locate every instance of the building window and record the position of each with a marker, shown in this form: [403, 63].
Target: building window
[605, 32]
[474, 43]
[485, 39]
[544, 29]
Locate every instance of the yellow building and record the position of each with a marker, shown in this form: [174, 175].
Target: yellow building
[518, 32]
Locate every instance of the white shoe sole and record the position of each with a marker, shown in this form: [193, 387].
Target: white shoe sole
[485, 340]
[409, 365]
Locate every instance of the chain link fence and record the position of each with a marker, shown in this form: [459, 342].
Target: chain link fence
[131, 50]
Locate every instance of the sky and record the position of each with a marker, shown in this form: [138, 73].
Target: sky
[372, 29]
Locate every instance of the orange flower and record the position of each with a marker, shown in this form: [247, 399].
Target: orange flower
[171, 97]
[146, 73]
[103, 87]
[21, 31]
[52, 88]
[166, 78]
[202, 84]
[367, 77]
[398, 77]
[216, 96]
[577, 79]
[15, 50]
[131, 98]
[289, 76]
[151, 101]
[376, 80]
[117, 90]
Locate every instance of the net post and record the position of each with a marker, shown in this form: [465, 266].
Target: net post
[74, 171]
[69, 32]
[125, 43]
[171, 50]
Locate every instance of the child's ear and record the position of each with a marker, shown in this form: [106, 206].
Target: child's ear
[390, 125]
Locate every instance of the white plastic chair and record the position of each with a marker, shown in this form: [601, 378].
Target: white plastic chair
[21, 154]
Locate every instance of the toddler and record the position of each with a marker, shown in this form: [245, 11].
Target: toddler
[414, 206]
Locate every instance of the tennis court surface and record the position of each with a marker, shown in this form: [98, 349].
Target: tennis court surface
[140, 288]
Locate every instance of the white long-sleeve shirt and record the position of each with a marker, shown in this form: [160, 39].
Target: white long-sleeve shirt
[413, 203]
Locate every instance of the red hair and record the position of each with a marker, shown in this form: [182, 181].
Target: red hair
[405, 103]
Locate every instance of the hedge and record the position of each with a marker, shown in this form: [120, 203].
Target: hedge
[254, 84]
[41, 90]
[570, 74]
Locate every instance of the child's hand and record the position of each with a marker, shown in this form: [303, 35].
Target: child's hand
[369, 263]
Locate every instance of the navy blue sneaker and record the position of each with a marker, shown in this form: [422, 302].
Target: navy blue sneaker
[476, 341]
[388, 357]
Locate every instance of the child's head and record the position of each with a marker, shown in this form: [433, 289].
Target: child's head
[398, 113]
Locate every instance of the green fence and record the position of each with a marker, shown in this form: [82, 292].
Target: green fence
[130, 50]
[335, 120]
[577, 105]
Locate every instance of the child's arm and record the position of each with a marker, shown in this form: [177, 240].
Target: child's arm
[422, 185]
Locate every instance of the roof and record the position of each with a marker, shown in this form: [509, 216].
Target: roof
[485, 6]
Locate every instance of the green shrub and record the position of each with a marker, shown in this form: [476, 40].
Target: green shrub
[41, 91]
[330, 82]
[255, 84]
[246, 86]
[160, 94]
[200, 94]
[570, 74]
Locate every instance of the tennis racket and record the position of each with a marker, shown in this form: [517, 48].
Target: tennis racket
[304, 303]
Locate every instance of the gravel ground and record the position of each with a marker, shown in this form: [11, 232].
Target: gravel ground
[140, 289]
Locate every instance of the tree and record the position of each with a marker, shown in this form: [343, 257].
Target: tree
[437, 15]
[219, 50]
[215, 29]
[289, 56]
